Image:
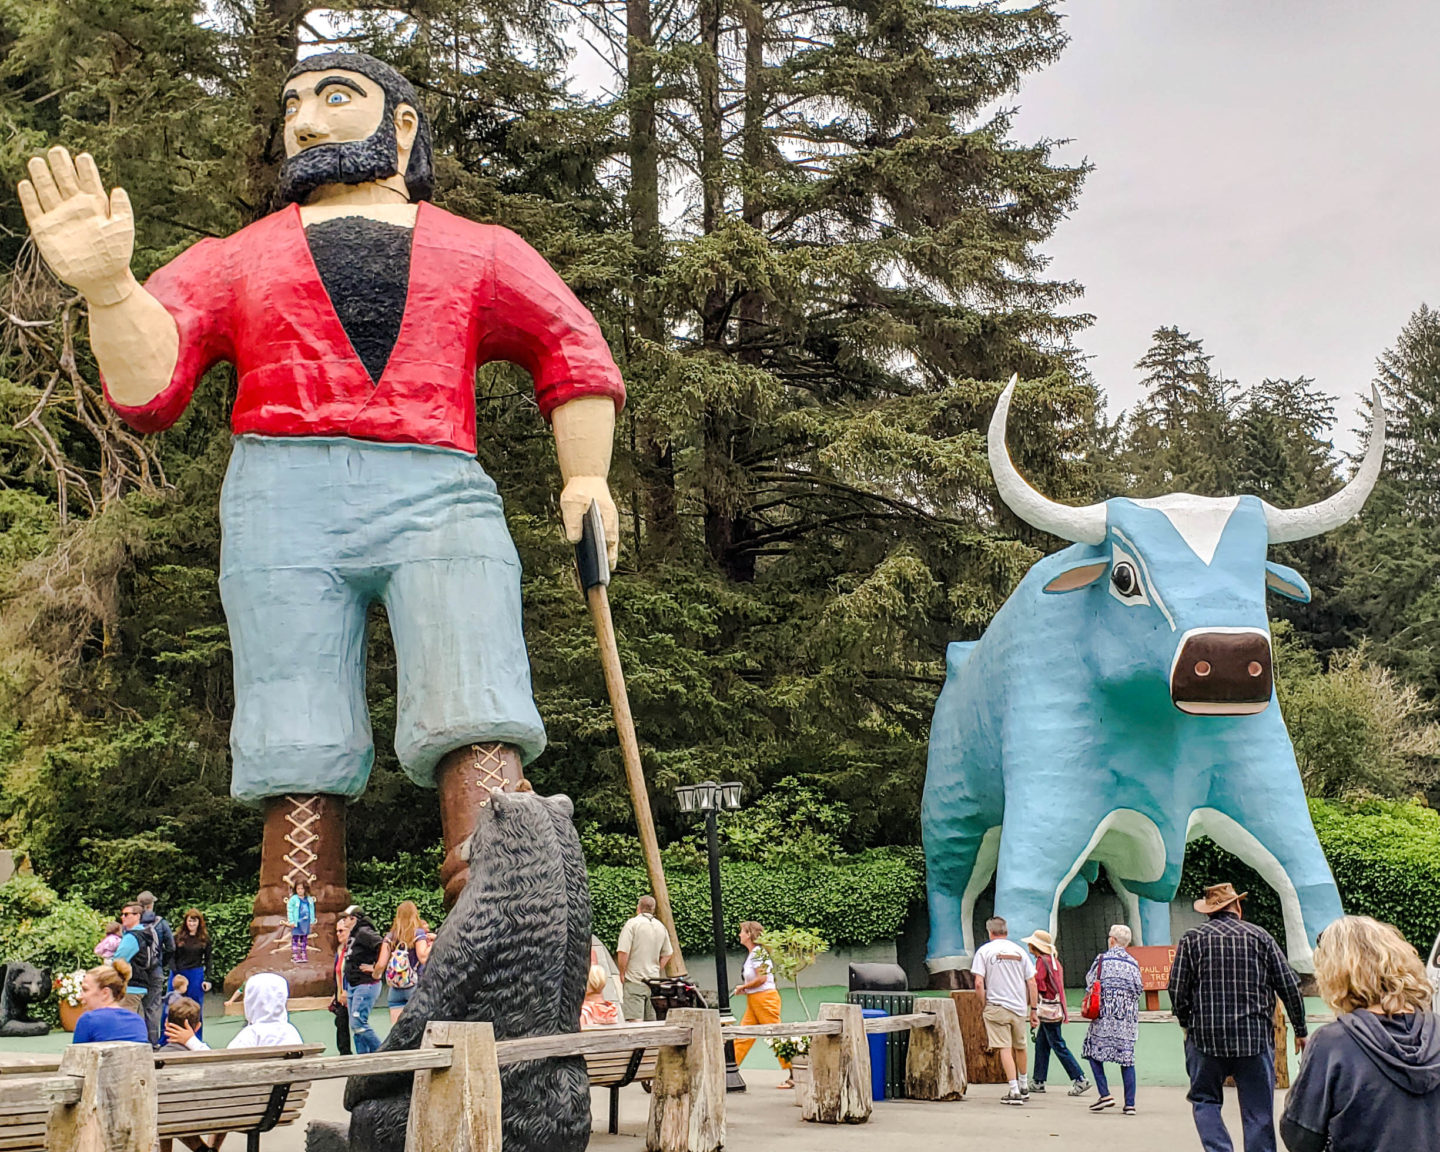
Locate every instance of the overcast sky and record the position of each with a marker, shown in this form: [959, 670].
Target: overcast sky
[1265, 178]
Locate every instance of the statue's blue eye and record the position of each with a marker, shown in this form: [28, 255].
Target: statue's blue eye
[337, 98]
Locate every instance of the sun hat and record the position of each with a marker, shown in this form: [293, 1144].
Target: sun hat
[1218, 896]
[1041, 941]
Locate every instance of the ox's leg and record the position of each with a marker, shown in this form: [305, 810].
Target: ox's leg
[1263, 819]
[1046, 841]
[959, 861]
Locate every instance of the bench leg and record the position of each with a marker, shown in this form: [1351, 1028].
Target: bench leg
[614, 1111]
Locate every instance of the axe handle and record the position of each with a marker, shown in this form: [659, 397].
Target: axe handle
[599, 601]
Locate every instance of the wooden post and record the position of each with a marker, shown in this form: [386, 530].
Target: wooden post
[935, 1068]
[687, 1102]
[117, 1108]
[840, 1090]
[1282, 1049]
[457, 1109]
[982, 1066]
[599, 600]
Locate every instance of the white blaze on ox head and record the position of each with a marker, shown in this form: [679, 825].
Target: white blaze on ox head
[1158, 556]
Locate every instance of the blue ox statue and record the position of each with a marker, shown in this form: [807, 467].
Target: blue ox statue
[1120, 704]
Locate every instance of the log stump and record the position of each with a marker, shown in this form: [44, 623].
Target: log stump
[982, 1066]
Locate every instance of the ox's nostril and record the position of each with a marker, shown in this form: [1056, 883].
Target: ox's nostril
[1202, 668]
[1255, 668]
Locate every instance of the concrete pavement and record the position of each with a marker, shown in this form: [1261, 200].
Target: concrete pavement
[765, 1119]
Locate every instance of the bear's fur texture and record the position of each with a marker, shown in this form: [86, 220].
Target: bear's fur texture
[22, 985]
[515, 950]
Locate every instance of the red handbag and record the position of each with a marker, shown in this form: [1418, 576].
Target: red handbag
[1090, 1009]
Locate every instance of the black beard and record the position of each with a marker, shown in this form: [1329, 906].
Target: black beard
[352, 162]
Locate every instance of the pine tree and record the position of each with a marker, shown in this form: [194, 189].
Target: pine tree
[1391, 580]
[1285, 456]
[1178, 437]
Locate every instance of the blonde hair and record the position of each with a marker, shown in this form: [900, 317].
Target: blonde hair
[179, 983]
[1362, 963]
[597, 980]
[112, 977]
[1122, 935]
[406, 925]
[753, 929]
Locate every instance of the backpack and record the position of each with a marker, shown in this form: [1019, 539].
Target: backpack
[398, 972]
[148, 951]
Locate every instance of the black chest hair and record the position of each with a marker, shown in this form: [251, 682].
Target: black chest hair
[365, 267]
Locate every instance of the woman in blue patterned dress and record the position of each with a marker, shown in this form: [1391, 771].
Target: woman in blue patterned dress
[1112, 1035]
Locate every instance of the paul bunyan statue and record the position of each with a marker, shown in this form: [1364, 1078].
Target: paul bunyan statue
[355, 317]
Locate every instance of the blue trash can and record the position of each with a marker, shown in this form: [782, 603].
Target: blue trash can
[877, 1054]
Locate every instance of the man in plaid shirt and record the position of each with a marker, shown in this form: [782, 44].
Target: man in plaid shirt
[1223, 983]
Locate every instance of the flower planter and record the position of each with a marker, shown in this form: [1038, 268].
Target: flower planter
[69, 1015]
[800, 1073]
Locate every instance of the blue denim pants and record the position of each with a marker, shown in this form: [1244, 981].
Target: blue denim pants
[362, 999]
[1049, 1038]
[1255, 1086]
[1127, 1080]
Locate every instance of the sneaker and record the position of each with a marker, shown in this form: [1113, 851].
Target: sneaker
[1080, 1088]
[1025, 1092]
[1103, 1103]
[1038, 1088]
[1130, 1110]
[1013, 1097]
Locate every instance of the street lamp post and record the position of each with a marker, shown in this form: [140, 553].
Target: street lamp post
[709, 798]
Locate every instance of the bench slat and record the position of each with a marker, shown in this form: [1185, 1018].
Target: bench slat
[793, 1028]
[591, 1040]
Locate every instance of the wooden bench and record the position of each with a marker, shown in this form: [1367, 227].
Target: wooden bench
[615, 1070]
[180, 1112]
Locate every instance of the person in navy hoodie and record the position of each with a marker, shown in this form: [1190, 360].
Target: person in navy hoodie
[105, 1017]
[1370, 1082]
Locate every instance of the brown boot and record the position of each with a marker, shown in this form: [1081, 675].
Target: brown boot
[304, 840]
[465, 779]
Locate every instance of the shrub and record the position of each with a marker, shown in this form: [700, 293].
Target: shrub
[863, 900]
[38, 926]
[790, 951]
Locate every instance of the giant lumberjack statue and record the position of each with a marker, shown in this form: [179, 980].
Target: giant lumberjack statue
[355, 317]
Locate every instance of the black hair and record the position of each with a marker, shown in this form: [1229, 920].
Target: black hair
[419, 172]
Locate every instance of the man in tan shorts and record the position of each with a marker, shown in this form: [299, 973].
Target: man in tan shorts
[1005, 979]
[640, 955]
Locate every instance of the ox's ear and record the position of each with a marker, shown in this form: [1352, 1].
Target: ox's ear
[1078, 574]
[1287, 582]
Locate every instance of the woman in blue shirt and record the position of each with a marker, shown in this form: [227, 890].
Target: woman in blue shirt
[104, 1017]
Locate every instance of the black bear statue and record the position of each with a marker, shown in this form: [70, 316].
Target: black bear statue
[515, 950]
[22, 986]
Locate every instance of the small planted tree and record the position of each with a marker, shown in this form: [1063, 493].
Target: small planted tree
[790, 951]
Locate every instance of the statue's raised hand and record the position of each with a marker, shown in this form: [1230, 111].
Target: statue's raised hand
[84, 235]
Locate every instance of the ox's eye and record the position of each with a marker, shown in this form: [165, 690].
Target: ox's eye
[1125, 579]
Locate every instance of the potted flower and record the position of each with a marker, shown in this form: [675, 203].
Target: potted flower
[67, 991]
[794, 1050]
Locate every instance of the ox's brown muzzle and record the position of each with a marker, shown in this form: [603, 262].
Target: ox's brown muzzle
[1222, 672]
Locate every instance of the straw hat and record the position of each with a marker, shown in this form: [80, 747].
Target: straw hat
[1218, 896]
[1041, 941]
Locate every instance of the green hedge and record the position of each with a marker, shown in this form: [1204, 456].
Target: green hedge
[861, 901]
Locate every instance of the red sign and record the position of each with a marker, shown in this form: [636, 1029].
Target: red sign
[1155, 965]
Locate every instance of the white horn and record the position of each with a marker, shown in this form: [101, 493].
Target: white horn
[1078, 525]
[1287, 524]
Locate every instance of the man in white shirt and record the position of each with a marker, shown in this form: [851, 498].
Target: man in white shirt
[640, 955]
[1005, 979]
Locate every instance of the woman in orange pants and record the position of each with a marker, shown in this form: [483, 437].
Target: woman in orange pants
[757, 985]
